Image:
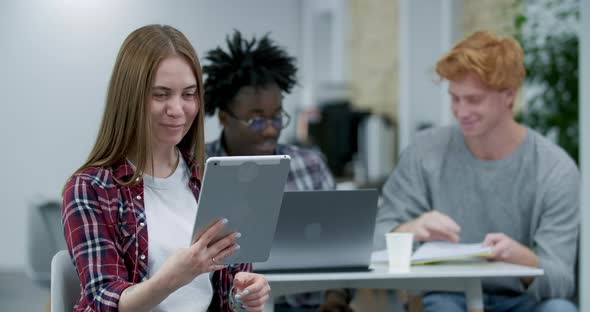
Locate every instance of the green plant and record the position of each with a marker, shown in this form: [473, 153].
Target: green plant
[551, 62]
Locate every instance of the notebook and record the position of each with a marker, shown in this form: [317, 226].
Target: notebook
[323, 231]
[439, 251]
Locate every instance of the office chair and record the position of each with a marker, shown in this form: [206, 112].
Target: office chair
[45, 238]
[65, 285]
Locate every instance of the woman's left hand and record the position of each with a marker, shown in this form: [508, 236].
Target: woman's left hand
[252, 290]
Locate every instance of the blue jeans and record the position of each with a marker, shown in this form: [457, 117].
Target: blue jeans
[450, 301]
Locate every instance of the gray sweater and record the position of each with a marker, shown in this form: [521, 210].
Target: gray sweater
[531, 196]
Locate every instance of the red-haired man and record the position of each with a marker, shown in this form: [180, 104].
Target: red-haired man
[489, 179]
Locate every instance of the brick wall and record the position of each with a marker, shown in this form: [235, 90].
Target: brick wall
[374, 55]
[374, 45]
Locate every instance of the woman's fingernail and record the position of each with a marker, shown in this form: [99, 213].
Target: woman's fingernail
[238, 298]
[224, 221]
[238, 247]
[238, 235]
[245, 292]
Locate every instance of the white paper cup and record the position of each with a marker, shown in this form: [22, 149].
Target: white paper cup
[399, 251]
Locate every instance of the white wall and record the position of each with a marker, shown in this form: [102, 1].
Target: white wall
[325, 55]
[56, 58]
[585, 153]
[428, 29]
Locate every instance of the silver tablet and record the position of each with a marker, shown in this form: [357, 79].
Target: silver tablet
[248, 191]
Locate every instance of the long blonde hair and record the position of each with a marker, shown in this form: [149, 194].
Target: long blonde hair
[125, 125]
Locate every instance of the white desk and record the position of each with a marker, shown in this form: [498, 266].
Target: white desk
[465, 277]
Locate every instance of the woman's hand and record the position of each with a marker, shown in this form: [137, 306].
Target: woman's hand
[201, 257]
[252, 290]
[181, 268]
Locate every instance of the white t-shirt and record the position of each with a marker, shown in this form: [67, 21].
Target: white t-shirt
[171, 208]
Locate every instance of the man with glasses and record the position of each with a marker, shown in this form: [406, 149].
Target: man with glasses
[245, 85]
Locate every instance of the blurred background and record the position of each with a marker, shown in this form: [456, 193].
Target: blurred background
[366, 86]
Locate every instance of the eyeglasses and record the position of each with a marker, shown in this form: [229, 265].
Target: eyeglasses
[258, 124]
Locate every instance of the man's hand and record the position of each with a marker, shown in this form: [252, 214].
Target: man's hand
[432, 225]
[508, 250]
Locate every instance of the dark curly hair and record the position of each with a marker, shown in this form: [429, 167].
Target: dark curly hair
[246, 63]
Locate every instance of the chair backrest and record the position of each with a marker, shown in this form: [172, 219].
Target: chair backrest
[65, 284]
[46, 237]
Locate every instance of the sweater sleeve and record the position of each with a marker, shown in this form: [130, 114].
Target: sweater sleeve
[404, 196]
[555, 241]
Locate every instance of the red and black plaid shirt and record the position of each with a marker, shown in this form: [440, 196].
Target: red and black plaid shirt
[106, 233]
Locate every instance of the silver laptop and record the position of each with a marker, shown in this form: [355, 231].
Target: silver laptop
[323, 231]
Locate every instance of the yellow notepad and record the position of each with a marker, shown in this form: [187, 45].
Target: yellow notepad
[432, 252]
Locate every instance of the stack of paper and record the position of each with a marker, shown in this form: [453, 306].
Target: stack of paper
[432, 252]
[444, 251]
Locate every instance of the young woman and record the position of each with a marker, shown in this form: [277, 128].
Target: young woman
[144, 169]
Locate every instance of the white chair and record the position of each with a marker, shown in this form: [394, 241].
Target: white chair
[45, 238]
[65, 284]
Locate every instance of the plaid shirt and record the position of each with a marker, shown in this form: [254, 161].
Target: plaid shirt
[308, 171]
[106, 233]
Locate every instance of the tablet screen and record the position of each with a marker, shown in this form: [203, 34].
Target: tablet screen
[248, 191]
